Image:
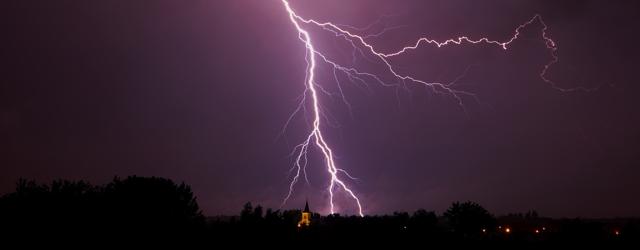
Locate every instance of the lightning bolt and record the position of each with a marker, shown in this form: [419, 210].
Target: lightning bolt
[358, 42]
[315, 136]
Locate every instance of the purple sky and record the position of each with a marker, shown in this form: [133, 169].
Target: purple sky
[198, 91]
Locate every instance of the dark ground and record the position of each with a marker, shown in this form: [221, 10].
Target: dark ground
[154, 211]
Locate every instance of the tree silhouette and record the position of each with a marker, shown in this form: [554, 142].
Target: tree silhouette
[423, 221]
[153, 204]
[247, 211]
[468, 218]
[130, 207]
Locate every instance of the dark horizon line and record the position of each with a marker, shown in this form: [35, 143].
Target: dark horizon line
[611, 218]
[410, 212]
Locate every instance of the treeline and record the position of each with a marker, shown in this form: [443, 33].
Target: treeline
[157, 210]
[463, 223]
[130, 207]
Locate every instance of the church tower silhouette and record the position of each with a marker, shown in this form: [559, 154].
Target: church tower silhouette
[306, 216]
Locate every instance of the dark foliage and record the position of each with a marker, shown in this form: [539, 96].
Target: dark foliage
[132, 208]
[468, 219]
[156, 211]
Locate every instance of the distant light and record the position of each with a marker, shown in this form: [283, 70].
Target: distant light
[617, 232]
[484, 230]
[537, 231]
[499, 227]
[544, 228]
[405, 227]
[507, 230]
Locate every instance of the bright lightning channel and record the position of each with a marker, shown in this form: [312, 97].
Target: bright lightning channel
[312, 89]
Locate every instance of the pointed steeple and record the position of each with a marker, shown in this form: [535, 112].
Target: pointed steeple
[305, 219]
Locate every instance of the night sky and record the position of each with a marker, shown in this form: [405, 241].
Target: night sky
[198, 91]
